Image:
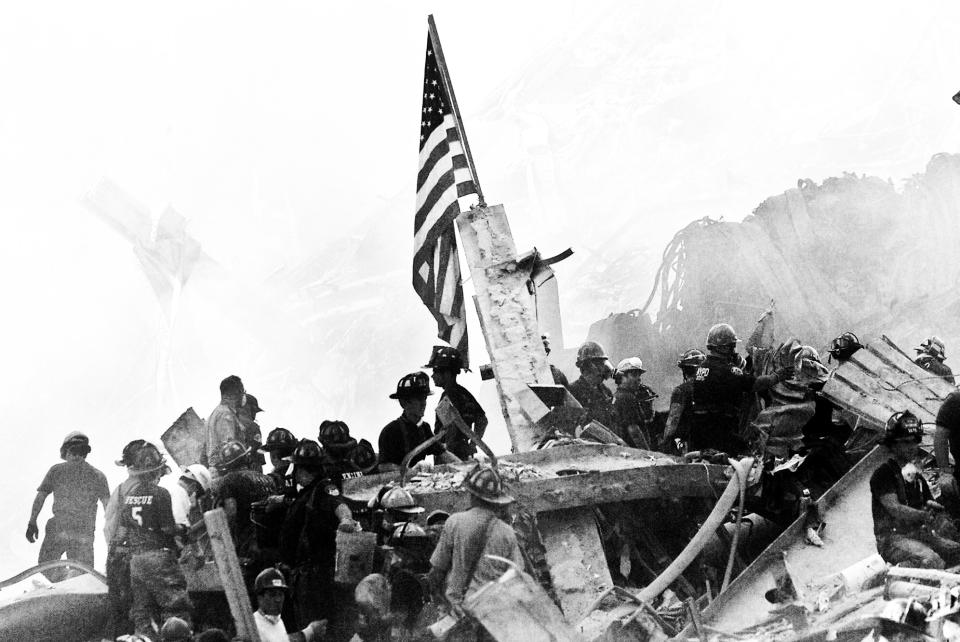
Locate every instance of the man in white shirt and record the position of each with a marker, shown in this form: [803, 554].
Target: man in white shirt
[271, 589]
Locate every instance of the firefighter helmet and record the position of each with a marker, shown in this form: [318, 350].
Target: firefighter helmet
[126, 457]
[630, 363]
[720, 335]
[280, 440]
[252, 404]
[147, 459]
[269, 578]
[232, 454]
[364, 457]
[843, 347]
[76, 440]
[400, 499]
[415, 384]
[335, 436]
[692, 358]
[445, 357]
[406, 530]
[934, 347]
[589, 351]
[902, 426]
[307, 453]
[485, 484]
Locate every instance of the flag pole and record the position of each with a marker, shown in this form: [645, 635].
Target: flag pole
[455, 109]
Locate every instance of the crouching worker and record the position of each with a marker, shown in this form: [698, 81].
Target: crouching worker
[903, 506]
[271, 589]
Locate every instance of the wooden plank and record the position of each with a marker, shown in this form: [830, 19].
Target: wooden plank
[184, 439]
[578, 566]
[914, 394]
[230, 576]
[888, 349]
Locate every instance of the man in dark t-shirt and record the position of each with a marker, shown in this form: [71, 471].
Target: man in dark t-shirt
[946, 445]
[902, 504]
[76, 487]
[447, 364]
[405, 433]
[238, 488]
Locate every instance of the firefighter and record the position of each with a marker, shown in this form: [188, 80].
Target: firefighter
[902, 504]
[720, 387]
[158, 587]
[280, 444]
[223, 423]
[76, 487]
[680, 417]
[308, 540]
[632, 404]
[338, 445]
[931, 356]
[393, 505]
[588, 389]
[408, 431]
[250, 430]
[447, 363]
[271, 589]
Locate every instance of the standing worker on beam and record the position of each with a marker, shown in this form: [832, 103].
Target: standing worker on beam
[447, 364]
[589, 389]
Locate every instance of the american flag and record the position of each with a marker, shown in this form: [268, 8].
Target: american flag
[444, 177]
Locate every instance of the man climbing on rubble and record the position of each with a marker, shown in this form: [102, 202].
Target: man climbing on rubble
[308, 542]
[633, 405]
[902, 504]
[588, 389]
[408, 431]
[680, 417]
[76, 487]
[720, 389]
[460, 563]
[931, 356]
[447, 363]
[224, 424]
[158, 587]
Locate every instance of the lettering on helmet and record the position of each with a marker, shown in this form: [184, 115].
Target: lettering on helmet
[702, 373]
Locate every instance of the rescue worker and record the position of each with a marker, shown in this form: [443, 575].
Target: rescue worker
[157, 584]
[633, 404]
[308, 541]
[224, 424]
[588, 389]
[268, 515]
[364, 458]
[680, 417]
[447, 363]
[902, 504]
[247, 416]
[196, 482]
[946, 445]
[720, 386]
[931, 356]
[559, 378]
[844, 346]
[271, 589]
[460, 563]
[391, 506]
[118, 548]
[280, 444]
[337, 444]
[76, 487]
[408, 431]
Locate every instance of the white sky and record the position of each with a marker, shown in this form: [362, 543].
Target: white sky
[287, 131]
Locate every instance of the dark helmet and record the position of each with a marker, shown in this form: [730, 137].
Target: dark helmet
[308, 453]
[364, 457]
[692, 358]
[252, 404]
[175, 630]
[335, 436]
[843, 347]
[415, 384]
[231, 454]
[129, 451]
[902, 425]
[545, 337]
[75, 441]
[590, 350]
[147, 459]
[445, 357]
[280, 440]
[269, 578]
[934, 347]
[484, 483]
[720, 335]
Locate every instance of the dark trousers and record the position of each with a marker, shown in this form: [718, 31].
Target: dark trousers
[312, 588]
[118, 590]
[158, 589]
[918, 550]
[59, 538]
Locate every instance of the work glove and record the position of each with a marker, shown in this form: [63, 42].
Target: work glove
[32, 531]
[315, 630]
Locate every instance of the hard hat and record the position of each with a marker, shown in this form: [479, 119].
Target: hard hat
[231, 453]
[807, 363]
[175, 630]
[630, 363]
[843, 347]
[934, 347]
[75, 439]
[335, 436]
[437, 517]
[280, 440]
[484, 483]
[147, 459]
[722, 334]
[269, 578]
[902, 425]
[407, 530]
[126, 457]
[200, 474]
[445, 357]
[590, 350]
[692, 358]
[400, 499]
[307, 453]
[364, 457]
[415, 384]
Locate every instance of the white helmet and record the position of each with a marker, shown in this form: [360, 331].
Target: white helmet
[630, 363]
[199, 474]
